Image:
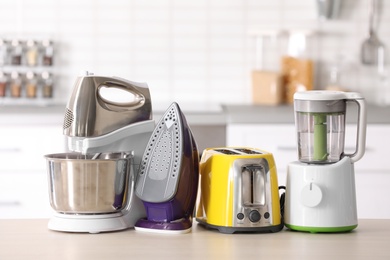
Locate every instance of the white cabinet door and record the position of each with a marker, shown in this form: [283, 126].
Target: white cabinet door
[24, 195]
[24, 147]
[23, 177]
[372, 193]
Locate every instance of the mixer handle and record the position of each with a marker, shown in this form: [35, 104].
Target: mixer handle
[362, 125]
[137, 101]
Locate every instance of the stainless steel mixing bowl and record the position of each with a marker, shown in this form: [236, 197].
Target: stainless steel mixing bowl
[88, 184]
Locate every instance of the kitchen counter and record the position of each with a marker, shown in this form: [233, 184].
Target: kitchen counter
[284, 114]
[196, 115]
[30, 239]
[54, 114]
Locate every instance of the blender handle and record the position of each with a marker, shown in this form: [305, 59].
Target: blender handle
[362, 125]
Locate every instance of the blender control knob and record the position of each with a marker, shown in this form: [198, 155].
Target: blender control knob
[311, 195]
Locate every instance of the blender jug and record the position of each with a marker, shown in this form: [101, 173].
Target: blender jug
[320, 123]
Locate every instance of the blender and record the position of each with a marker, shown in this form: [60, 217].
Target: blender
[320, 187]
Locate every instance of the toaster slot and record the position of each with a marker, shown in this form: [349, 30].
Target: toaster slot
[248, 151]
[226, 151]
[253, 185]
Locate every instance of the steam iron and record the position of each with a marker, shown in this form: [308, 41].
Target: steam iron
[168, 176]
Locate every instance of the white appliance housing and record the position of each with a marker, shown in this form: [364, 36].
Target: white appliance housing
[320, 191]
[321, 197]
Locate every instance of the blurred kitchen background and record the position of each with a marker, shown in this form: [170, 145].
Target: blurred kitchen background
[232, 65]
[198, 53]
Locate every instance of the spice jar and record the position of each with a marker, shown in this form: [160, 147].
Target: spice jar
[3, 84]
[16, 52]
[4, 52]
[31, 85]
[47, 85]
[47, 53]
[16, 85]
[31, 53]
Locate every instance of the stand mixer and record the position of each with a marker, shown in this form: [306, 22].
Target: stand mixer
[91, 187]
[320, 187]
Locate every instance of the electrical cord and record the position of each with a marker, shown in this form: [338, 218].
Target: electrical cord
[282, 200]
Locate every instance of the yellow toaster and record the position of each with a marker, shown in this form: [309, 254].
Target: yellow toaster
[238, 191]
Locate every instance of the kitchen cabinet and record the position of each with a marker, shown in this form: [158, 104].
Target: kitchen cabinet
[24, 195]
[372, 171]
[22, 147]
[23, 182]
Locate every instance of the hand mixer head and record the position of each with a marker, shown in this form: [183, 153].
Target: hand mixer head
[89, 114]
[93, 123]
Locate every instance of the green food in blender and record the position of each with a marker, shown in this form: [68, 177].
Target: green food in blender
[320, 137]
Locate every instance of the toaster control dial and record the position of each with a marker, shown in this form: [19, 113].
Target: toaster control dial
[254, 216]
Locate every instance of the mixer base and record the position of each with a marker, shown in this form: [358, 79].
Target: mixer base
[180, 226]
[87, 223]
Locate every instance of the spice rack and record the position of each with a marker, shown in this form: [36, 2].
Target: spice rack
[26, 71]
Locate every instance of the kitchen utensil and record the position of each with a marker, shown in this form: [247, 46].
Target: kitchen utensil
[168, 176]
[320, 187]
[239, 191]
[372, 49]
[328, 9]
[92, 187]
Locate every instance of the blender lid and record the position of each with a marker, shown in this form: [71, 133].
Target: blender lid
[315, 95]
[317, 101]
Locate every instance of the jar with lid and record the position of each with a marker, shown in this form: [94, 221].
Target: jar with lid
[267, 84]
[16, 52]
[16, 85]
[3, 84]
[31, 54]
[31, 85]
[298, 62]
[4, 52]
[47, 52]
[47, 85]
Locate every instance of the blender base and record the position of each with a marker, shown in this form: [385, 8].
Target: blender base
[88, 223]
[321, 198]
[180, 226]
[321, 229]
